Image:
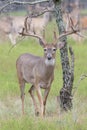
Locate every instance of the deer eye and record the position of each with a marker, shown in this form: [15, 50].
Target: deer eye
[45, 49]
[54, 49]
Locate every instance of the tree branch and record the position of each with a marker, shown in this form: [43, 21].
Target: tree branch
[82, 77]
[41, 13]
[22, 2]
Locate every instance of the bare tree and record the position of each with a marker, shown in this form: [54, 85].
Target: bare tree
[68, 76]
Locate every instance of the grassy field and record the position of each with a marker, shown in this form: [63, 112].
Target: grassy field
[10, 102]
[84, 12]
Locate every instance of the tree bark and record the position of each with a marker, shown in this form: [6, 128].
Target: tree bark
[68, 77]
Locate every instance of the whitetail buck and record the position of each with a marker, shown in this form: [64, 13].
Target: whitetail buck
[39, 71]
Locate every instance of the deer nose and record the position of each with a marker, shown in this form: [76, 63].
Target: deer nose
[49, 56]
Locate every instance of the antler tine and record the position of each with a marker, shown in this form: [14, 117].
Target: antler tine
[55, 37]
[81, 35]
[72, 32]
[72, 24]
[24, 33]
[74, 29]
[70, 20]
[77, 24]
[68, 33]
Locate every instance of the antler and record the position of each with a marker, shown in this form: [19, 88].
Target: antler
[25, 31]
[68, 33]
[74, 27]
[74, 30]
[41, 39]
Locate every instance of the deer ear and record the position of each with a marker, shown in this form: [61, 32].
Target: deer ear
[60, 45]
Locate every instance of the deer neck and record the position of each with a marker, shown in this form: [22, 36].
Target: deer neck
[49, 63]
[47, 68]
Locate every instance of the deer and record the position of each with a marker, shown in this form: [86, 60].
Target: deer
[39, 71]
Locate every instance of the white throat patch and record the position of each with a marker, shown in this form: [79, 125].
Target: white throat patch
[50, 62]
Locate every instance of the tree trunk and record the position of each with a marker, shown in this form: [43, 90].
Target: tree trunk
[68, 77]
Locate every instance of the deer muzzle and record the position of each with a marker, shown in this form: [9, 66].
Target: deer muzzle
[49, 56]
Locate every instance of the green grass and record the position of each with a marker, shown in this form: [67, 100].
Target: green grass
[84, 11]
[18, 13]
[10, 103]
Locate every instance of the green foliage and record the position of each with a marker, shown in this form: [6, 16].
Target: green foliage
[10, 103]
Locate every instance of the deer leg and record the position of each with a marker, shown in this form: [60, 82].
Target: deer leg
[40, 100]
[31, 91]
[22, 86]
[46, 92]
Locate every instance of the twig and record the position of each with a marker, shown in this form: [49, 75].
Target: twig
[21, 2]
[15, 44]
[41, 13]
[83, 76]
